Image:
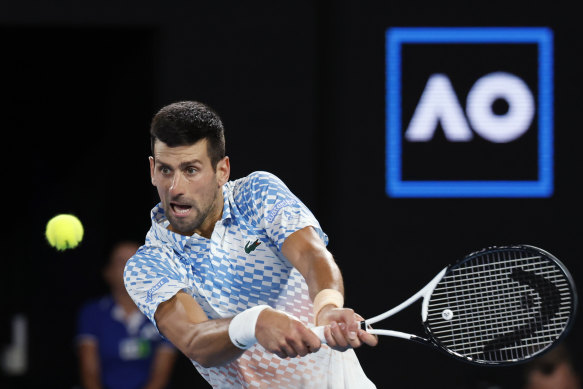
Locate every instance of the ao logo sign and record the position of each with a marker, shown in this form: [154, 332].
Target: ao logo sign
[480, 129]
[439, 103]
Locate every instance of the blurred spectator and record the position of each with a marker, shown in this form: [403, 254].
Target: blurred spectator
[118, 347]
[553, 370]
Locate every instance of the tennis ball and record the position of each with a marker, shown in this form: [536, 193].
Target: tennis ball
[64, 231]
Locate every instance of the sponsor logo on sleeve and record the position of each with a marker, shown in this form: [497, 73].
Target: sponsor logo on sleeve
[154, 289]
[277, 207]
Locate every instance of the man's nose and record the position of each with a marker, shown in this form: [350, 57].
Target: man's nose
[177, 186]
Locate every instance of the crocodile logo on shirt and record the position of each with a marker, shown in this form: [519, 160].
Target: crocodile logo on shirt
[251, 246]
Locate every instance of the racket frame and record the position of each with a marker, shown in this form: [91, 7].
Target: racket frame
[428, 289]
[425, 292]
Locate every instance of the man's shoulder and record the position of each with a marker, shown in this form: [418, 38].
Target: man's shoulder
[258, 177]
[257, 183]
[153, 248]
[150, 255]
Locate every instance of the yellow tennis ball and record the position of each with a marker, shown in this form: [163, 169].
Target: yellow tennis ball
[64, 232]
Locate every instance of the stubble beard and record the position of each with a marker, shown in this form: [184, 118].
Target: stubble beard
[186, 227]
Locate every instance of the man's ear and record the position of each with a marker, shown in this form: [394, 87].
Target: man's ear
[223, 171]
[152, 167]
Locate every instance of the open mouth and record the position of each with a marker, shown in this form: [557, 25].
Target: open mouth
[180, 209]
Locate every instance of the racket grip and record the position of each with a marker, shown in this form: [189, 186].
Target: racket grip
[319, 331]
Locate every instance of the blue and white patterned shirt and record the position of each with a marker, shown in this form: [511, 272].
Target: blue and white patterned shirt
[239, 267]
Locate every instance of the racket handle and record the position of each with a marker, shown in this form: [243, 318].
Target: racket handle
[319, 331]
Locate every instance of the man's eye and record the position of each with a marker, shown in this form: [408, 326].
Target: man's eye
[191, 170]
[165, 170]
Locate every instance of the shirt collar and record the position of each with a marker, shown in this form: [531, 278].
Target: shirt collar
[226, 202]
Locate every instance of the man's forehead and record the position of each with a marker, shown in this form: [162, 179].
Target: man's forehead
[180, 154]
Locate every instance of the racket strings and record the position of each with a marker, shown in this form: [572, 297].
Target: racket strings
[500, 306]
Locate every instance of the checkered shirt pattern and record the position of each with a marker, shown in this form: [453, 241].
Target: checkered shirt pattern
[225, 280]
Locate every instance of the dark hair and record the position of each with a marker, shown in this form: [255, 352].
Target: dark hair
[185, 123]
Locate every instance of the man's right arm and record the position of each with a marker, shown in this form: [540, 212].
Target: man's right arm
[182, 321]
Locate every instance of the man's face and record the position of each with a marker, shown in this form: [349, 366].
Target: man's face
[188, 186]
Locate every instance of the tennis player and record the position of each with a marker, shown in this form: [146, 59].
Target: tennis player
[234, 273]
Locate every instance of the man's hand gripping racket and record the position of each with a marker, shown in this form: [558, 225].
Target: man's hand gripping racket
[499, 305]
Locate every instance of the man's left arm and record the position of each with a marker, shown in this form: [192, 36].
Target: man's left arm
[307, 252]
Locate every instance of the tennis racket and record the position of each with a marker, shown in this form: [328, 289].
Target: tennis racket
[497, 306]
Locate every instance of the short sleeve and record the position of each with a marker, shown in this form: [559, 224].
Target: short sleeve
[87, 322]
[151, 277]
[280, 213]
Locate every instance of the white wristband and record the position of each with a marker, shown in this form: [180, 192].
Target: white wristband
[242, 327]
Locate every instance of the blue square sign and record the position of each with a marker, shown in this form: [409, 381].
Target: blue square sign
[469, 112]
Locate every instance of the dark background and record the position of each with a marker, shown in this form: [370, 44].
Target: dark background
[301, 90]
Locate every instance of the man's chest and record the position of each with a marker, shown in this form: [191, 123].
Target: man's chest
[235, 267]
